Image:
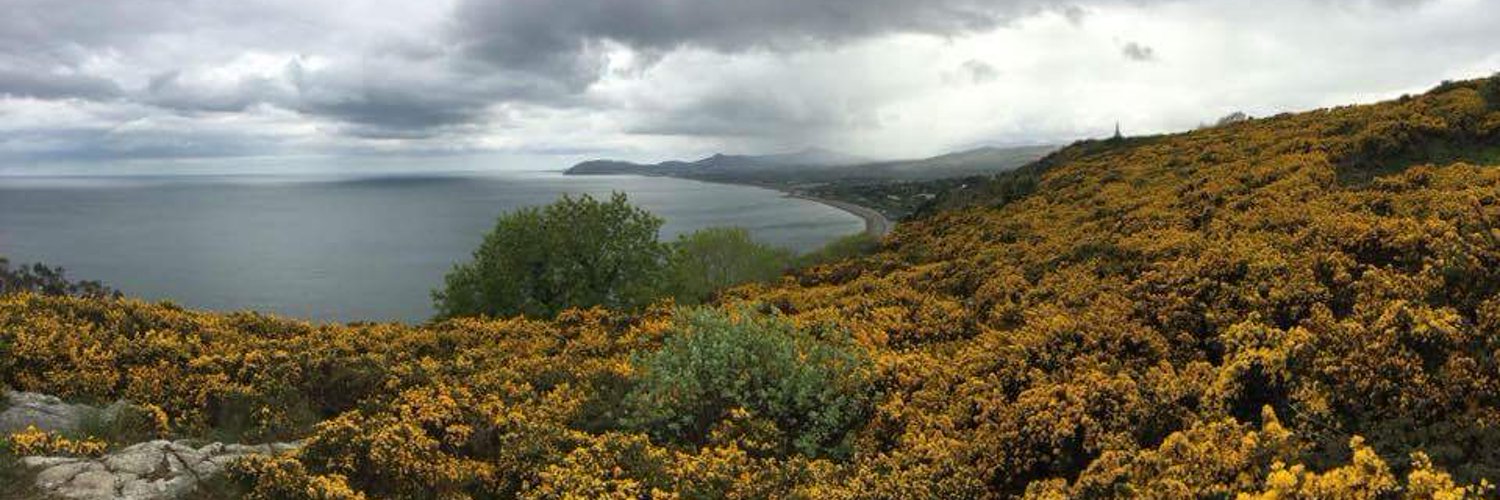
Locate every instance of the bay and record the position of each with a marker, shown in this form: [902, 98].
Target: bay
[335, 247]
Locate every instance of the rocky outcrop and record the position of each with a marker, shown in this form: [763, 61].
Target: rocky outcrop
[154, 470]
[23, 409]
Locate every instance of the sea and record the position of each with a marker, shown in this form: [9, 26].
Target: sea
[336, 247]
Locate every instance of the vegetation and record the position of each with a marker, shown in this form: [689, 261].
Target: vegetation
[577, 252]
[580, 252]
[38, 278]
[1302, 306]
[844, 248]
[778, 389]
[711, 259]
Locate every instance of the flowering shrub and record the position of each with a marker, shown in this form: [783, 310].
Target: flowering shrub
[33, 441]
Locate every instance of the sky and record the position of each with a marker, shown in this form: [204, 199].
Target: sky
[145, 84]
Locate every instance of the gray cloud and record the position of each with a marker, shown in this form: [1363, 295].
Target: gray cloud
[979, 71]
[1136, 51]
[36, 85]
[1075, 14]
[207, 77]
[561, 37]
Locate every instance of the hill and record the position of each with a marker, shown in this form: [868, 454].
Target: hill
[1304, 306]
[811, 158]
[819, 165]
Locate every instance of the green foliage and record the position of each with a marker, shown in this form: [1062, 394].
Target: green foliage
[123, 424]
[1490, 90]
[808, 393]
[847, 247]
[576, 252]
[719, 257]
[40, 279]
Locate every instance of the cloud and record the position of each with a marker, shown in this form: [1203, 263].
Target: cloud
[562, 38]
[979, 71]
[17, 83]
[137, 78]
[1075, 14]
[1138, 52]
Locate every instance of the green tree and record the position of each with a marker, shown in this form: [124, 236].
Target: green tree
[43, 280]
[719, 257]
[576, 252]
[805, 391]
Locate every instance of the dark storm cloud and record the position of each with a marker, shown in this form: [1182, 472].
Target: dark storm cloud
[560, 37]
[142, 77]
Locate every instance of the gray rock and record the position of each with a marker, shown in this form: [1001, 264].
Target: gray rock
[90, 485]
[40, 462]
[57, 475]
[42, 411]
[153, 470]
[141, 459]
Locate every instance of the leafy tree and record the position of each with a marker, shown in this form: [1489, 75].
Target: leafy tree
[40, 279]
[719, 257]
[576, 252]
[752, 374]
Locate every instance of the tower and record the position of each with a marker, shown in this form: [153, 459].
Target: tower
[1118, 136]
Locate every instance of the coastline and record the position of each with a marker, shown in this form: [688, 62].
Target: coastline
[877, 225]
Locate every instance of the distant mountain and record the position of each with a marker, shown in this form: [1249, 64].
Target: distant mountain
[981, 161]
[822, 165]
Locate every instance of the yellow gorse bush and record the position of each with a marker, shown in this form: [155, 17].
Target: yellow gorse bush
[33, 441]
[1301, 306]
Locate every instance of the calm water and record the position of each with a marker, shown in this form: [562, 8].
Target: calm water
[329, 247]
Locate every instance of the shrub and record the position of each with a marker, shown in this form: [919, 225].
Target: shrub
[40, 279]
[847, 247]
[576, 252]
[814, 390]
[33, 441]
[1490, 89]
[719, 257]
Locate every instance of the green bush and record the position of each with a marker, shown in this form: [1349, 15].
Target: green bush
[719, 257]
[848, 247]
[44, 280]
[576, 252]
[1490, 89]
[717, 369]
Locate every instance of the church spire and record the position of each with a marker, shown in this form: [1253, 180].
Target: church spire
[1117, 131]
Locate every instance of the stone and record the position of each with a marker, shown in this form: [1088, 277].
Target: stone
[143, 459]
[153, 470]
[57, 475]
[41, 462]
[44, 412]
[91, 485]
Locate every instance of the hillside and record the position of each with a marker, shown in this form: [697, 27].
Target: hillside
[1302, 306]
[819, 165]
